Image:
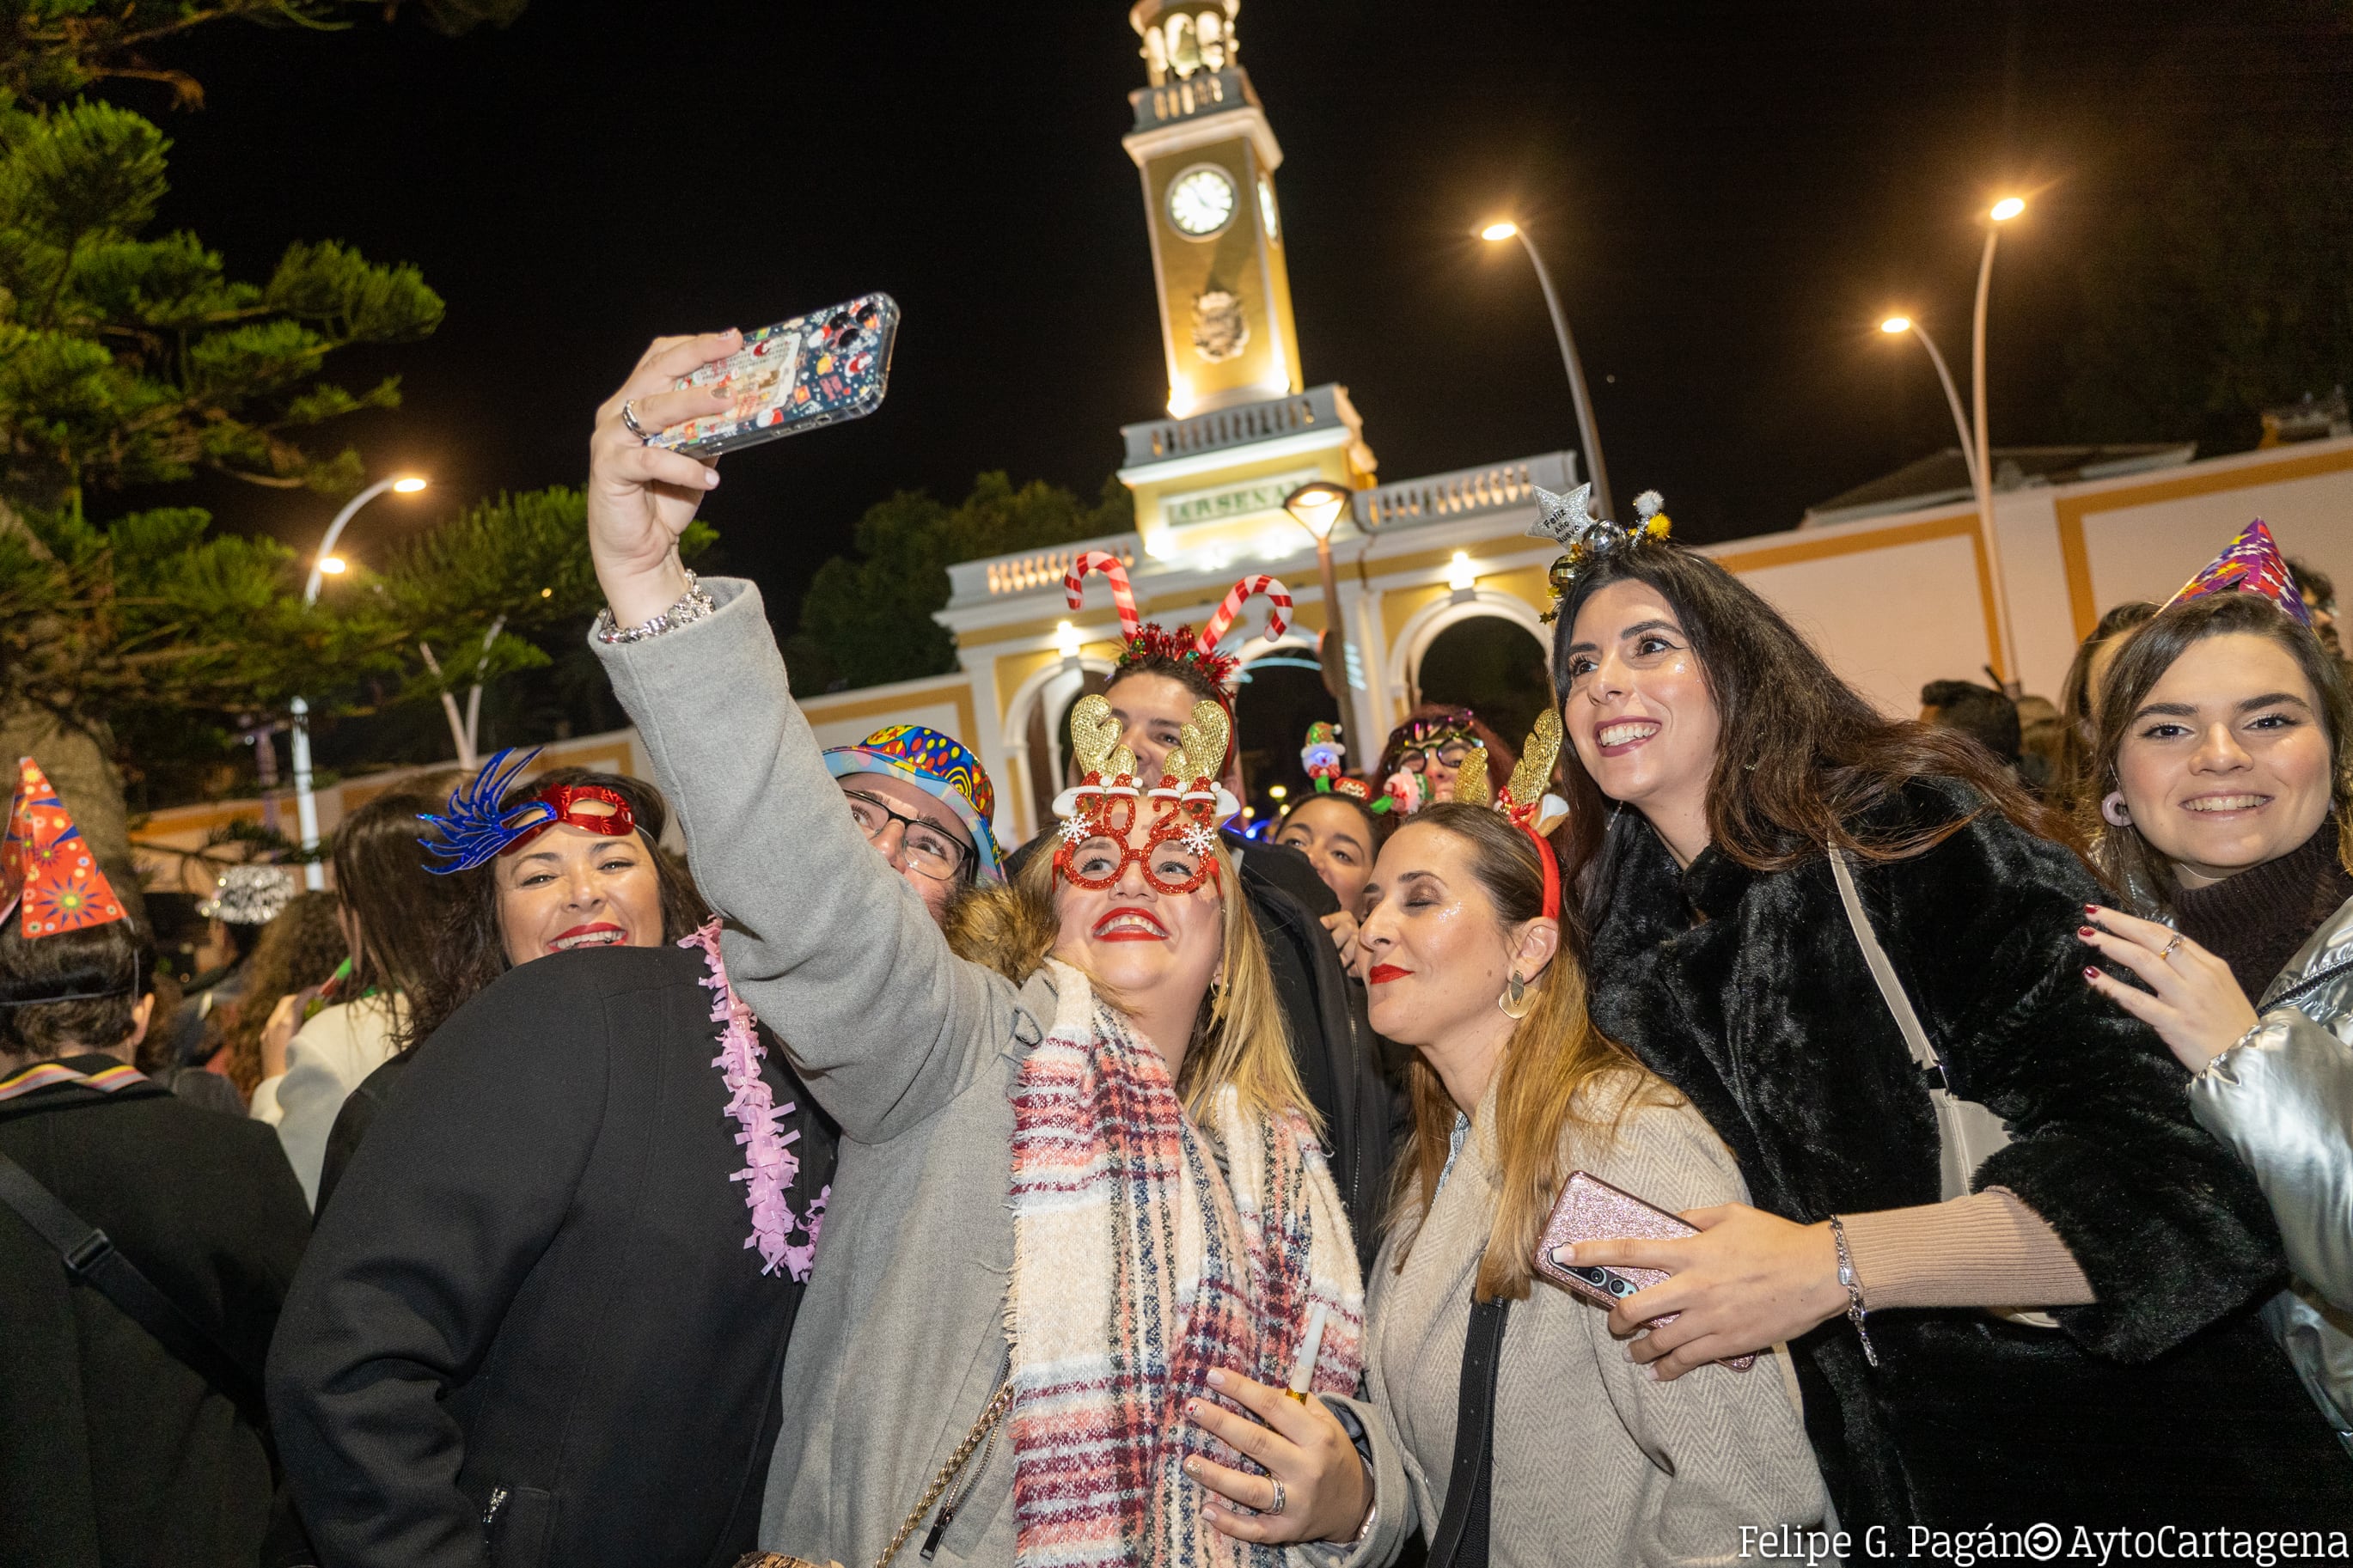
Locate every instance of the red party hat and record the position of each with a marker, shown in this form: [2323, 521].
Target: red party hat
[46, 863]
[2253, 563]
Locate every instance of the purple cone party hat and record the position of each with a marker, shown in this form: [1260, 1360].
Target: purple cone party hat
[2251, 564]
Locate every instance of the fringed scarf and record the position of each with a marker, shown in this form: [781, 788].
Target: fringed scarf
[1139, 1265]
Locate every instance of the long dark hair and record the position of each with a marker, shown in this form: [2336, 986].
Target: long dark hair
[2078, 724]
[470, 950]
[2131, 864]
[398, 905]
[1801, 758]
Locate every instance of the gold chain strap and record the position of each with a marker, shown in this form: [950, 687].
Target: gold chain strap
[956, 1462]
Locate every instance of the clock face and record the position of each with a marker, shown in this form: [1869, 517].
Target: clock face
[1201, 201]
[1267, 218]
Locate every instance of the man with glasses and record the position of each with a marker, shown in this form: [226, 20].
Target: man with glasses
[924, 802]
[1432, 743]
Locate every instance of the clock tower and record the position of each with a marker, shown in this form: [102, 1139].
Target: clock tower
[1207, 158]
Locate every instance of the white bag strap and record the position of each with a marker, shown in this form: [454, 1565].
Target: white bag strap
[1890, 988]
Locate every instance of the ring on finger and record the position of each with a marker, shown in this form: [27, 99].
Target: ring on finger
[629, 421]
[1276, 1506]
[2167, 951]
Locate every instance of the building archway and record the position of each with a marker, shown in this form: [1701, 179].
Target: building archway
[1282, 695]
[1036, 739]
[1487, 652]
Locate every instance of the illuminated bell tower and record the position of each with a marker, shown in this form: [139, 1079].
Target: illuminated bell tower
[1207, 157]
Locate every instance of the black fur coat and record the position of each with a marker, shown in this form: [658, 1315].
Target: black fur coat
[2163, 1403]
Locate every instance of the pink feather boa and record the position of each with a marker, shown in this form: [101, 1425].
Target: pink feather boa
[772, 1162]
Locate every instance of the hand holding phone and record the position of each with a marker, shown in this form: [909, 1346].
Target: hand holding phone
[814, 370]
[1590, 1209]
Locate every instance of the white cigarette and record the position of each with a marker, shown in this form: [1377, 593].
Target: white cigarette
[1303, 1367]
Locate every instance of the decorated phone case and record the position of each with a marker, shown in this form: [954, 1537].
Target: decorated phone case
[1590, 1209]
[817, 369]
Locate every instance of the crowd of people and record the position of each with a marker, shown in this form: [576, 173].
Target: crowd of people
[1973, 1099]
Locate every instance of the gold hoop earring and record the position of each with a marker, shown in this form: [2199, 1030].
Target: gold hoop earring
[1517, 1001]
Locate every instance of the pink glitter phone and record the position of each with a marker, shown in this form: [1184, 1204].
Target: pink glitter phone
[1590, 1209]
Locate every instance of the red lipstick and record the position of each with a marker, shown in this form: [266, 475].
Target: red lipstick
[1382, 974]
[1130, 924]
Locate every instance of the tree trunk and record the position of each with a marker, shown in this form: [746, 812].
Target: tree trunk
[87, 781]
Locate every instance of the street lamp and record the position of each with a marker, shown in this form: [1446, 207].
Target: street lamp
[1895, 326]
[2003, 212]
[1316, 507]
[1586, 435]
[324, 564]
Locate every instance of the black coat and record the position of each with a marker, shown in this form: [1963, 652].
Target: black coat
[112, 1451]
[533, 1281]
[2163, 1403]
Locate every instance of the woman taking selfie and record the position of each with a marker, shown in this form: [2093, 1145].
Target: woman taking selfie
[1512, 1090]
[1794, 903]
[2228, 744]
[1067, 1208]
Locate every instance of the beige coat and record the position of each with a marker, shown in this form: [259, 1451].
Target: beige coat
[1595, 1463]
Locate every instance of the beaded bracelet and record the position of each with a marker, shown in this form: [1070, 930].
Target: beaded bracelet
[692, 606]
[1846, 1277]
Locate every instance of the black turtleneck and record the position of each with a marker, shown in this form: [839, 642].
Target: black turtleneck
[2255, 920]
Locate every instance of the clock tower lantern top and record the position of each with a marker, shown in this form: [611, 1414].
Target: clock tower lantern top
[1183, 37]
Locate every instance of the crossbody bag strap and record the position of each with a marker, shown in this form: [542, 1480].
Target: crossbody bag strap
[1460, 1539]
[91, 1257]
[1891, 989]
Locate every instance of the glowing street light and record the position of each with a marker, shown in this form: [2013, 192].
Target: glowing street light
[2007, 208]
[1316, 507]
[325, 565]
[1586, 436]
[1066, 641]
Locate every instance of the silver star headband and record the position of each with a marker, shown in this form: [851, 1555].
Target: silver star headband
[1568, 520]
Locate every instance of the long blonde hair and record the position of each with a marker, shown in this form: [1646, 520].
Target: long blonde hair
[1558, 1074]
[1238, 1036]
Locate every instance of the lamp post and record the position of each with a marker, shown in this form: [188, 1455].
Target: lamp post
[1316, 507]
[1896, 325]
[326, 563]
[1586, 435]
[2001, 212]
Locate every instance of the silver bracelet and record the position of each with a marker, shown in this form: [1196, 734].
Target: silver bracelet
[692, 606]
[1846, 1277]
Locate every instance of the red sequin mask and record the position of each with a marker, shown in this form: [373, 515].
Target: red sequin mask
[562, 804]
[1100, 814]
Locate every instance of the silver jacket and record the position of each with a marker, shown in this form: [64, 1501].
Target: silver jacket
[2283, 1097]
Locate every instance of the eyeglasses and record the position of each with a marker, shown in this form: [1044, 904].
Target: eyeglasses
[1171, 867]
[1417, 759]
[930, 851]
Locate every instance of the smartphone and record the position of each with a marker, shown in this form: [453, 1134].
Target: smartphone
[817, 369]
[1590, 1209]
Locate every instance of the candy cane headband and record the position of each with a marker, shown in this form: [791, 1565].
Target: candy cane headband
[1182, 645]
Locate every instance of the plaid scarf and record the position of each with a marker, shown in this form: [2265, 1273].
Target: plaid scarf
[1138, 1265]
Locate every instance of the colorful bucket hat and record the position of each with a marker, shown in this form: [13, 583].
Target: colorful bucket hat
[941, 766]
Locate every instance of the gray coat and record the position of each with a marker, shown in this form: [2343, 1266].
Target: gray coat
[901, 1338]
[2283, 1097]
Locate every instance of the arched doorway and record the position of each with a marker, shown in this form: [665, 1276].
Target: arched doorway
[1281, 693]
[1491, 664]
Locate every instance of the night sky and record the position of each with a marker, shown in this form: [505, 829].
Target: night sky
[1730, 196]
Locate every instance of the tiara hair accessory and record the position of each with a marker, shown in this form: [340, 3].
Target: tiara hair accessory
[1526, 798]
[1567, 521]
[2252, 563]
[1186, 806]
[475, 832]
[251, 895]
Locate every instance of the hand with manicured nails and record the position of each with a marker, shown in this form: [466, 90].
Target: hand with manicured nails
[1747, 1282]
[641, 498]
[1343, 927]
[2197, 1009]
[1326, 1491]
